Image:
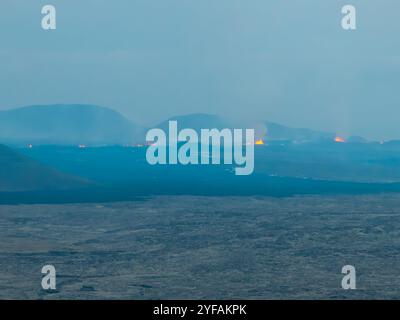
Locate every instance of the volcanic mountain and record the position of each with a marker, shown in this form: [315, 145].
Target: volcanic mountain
[67, 125]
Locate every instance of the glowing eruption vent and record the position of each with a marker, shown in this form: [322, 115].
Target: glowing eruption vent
[340, 140]
[259, 142]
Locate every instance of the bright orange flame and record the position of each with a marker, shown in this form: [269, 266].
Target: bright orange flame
[340, 139]
[259, 142]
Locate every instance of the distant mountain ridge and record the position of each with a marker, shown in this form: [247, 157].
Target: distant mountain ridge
[66, 125]
[96, 126]
[280, 132]
[277, 131]
[269, 131]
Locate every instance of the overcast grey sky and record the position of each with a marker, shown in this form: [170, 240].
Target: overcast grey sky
[287, 61]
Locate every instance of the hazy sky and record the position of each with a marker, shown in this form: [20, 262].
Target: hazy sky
[287, 61]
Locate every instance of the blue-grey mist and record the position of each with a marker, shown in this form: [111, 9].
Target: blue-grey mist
[286, 61]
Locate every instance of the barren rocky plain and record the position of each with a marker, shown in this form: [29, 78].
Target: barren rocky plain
[186, 247]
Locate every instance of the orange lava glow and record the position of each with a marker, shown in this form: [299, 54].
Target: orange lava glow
[339, 139]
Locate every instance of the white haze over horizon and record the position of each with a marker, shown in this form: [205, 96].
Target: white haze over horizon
[284, 61]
